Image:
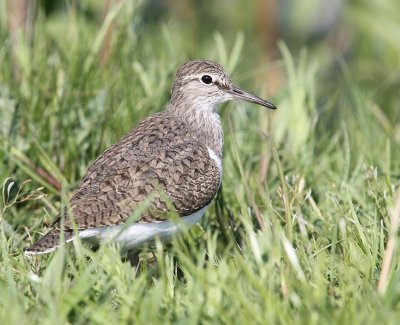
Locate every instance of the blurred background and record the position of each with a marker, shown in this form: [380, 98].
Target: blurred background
[77, 75]
[330, 40]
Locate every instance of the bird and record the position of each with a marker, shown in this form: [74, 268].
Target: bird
[170, 164]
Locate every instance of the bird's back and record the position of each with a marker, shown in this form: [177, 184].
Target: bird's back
[162, 160]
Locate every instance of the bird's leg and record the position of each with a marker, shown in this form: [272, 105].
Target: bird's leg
[133, 258]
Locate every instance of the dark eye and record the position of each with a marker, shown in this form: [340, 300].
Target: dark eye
[206, 79]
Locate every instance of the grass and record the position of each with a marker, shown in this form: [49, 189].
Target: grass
[305, 228]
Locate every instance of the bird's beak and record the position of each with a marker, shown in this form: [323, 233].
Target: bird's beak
[238, 93]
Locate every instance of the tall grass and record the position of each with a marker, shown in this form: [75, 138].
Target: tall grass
[305, 227]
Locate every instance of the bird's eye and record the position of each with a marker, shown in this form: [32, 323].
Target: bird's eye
[206, 79]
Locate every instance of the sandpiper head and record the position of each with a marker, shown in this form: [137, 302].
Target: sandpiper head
[204, 84]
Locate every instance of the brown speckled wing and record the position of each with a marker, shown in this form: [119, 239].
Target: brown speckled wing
[160, 156]
[184, 172]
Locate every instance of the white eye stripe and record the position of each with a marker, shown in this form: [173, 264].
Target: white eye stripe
[199, 78]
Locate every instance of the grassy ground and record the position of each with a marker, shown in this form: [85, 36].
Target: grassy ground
[305, 229]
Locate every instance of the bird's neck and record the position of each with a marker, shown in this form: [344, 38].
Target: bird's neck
[203, 122]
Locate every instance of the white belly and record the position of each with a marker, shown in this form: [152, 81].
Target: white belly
[137, 234]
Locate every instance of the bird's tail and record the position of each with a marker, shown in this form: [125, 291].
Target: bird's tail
[49, 242]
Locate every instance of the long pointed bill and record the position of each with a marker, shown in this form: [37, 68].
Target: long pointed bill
[238, 93]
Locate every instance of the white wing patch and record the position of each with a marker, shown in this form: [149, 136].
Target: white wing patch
[214, 157]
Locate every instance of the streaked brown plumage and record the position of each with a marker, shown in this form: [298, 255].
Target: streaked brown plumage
[166, 156]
